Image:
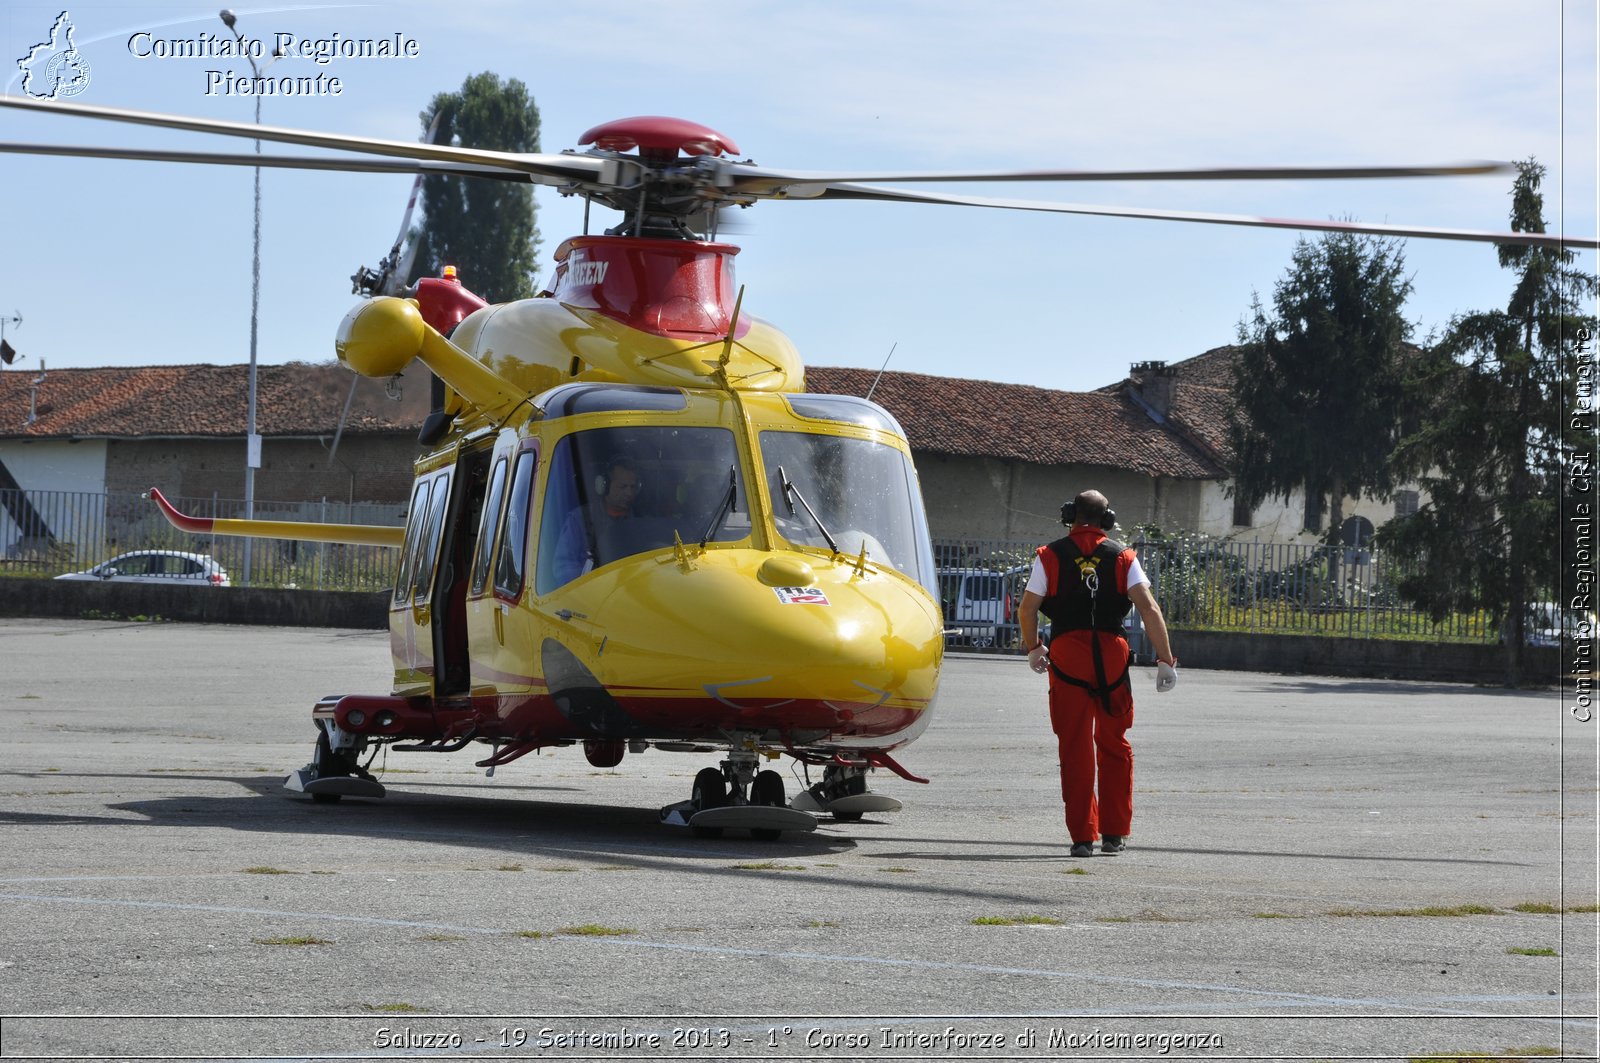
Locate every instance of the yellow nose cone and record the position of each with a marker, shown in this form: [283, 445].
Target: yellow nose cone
[380, 337]
[785, 572]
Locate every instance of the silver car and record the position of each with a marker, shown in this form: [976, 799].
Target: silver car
[171, 567]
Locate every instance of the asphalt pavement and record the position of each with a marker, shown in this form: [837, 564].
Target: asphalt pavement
[1319, 868]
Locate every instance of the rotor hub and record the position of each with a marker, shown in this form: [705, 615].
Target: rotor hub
[658, 136]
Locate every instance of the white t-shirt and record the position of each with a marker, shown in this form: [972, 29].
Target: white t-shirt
[1038, 584]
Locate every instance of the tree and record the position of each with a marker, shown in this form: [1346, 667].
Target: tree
[485, 228]
[1318, 384]
[1498, 390]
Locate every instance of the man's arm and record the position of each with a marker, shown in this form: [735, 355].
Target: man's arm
[1155, 624]
[1028, 621]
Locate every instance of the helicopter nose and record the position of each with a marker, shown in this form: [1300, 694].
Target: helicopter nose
[758, 640]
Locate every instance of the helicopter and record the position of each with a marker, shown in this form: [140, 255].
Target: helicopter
[631, 527]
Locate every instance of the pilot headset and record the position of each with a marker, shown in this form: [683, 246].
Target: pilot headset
[1069, 516]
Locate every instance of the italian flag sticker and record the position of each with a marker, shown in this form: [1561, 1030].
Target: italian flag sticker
[801, 595]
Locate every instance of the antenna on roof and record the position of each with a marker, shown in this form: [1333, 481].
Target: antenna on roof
[881, 368]
[8, 353]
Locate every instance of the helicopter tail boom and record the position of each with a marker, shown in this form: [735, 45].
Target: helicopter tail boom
[305, 531]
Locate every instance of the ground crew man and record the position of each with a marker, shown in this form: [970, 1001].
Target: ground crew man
[1086, 583]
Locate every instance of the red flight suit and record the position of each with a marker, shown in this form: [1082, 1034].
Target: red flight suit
[1088, 737]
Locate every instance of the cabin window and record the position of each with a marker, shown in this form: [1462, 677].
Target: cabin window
[511, 562]
[846, 408]
[568, 400]
[423, 566]
[858, 492]
[416, 519]
[616, 492]
[486, 526]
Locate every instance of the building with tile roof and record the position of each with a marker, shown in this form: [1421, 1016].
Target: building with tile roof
[181, 428]
[1193, 400]
[996, 460]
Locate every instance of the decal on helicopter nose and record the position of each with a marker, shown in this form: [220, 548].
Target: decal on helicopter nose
[801, 595]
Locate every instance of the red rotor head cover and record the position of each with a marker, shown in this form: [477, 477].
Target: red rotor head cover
[659, 136]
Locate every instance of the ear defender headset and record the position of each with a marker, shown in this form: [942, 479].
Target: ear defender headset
[602, 481]
[1069, 516]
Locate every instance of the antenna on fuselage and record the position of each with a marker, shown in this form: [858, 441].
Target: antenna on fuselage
[881, 368]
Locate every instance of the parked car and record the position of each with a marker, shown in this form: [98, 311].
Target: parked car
[980, 605]
[1547, 624]
[171, 567]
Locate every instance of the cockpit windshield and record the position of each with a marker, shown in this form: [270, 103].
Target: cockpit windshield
[839, 494]
[615, 492]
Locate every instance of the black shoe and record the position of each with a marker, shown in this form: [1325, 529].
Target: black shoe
[1082, 849]
[1112, 844]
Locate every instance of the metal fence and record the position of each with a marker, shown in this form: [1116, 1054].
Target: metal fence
[1206, 584]
[47, 533]
[1201, 583]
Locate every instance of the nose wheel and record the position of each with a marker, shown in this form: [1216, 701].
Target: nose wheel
[737, 795]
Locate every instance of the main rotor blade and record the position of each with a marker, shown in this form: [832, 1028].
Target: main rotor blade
[868, 192]
[757, 179]
[289, 162]
[543, 169]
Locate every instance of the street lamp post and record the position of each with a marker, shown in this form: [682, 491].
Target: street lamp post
[252, 440]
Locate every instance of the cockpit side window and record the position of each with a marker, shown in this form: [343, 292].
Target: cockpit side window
[612, 493]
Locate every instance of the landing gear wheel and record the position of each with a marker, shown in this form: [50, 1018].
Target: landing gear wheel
[710, 791]
[327, 762]
[850, 786]
[767, 789]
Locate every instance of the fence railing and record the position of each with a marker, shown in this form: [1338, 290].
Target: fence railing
[1208, 584]
[48, 533]
[1200, 583]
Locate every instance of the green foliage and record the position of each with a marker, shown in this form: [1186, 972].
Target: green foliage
[1214, 584]
[1318, 381]
[1495, 439]
[485, 228]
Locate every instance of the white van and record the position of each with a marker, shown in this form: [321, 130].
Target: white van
[980, 605]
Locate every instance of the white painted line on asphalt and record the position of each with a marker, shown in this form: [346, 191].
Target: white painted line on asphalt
[1271, 996]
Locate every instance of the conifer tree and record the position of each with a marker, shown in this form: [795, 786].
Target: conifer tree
[485, 228]
[1498, 390]
[1317, 383]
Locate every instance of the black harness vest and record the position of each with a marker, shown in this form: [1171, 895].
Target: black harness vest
[1085, 598]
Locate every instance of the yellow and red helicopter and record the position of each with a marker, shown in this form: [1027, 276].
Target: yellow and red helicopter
[632, 528]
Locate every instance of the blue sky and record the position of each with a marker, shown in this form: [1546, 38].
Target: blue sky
[128, 263]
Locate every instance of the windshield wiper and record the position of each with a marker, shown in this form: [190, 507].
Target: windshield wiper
[730, 500]
[790, 493]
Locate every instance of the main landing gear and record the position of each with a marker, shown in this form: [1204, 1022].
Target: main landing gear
[738, 796]
[335, 770]
[842, 793]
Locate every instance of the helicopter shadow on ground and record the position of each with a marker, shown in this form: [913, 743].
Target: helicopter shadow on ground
[599, 835]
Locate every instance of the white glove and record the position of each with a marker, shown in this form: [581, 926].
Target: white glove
[1166, 676]
[1039, 659]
